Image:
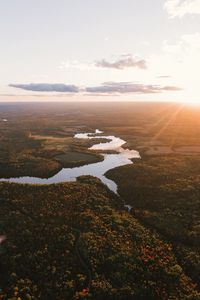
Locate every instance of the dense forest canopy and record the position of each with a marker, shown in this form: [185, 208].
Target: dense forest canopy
[76, 240]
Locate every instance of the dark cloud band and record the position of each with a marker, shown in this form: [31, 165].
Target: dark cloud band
[47, 87]
[128, 87]
[108, 88]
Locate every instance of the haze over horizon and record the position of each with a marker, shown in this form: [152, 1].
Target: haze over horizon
[100, 51]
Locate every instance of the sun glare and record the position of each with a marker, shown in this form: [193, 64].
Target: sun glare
[192, 103]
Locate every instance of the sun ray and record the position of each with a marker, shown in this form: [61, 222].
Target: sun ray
[172, 118]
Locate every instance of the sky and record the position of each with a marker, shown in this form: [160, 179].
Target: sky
[102, 50]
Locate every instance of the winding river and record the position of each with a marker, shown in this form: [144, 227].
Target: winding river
[121, 157]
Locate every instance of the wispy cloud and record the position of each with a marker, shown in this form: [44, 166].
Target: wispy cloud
[163, 76]
[106, 88]
[47, 87]
[187, 47]
[75, 64]
[125, 61]
[179, 8]
[129, 87]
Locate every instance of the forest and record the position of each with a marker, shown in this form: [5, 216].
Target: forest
[77, 240]
[164, 194]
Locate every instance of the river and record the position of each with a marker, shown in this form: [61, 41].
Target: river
[121, 157]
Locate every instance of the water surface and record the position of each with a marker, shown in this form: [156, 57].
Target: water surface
[120, 158]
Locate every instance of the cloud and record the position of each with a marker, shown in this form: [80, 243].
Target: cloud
[187, 47]
[125, 61]
[179, 8]
[107, 88]
[47, 87]
[164, 76]
[129, 87]
[75, 64]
